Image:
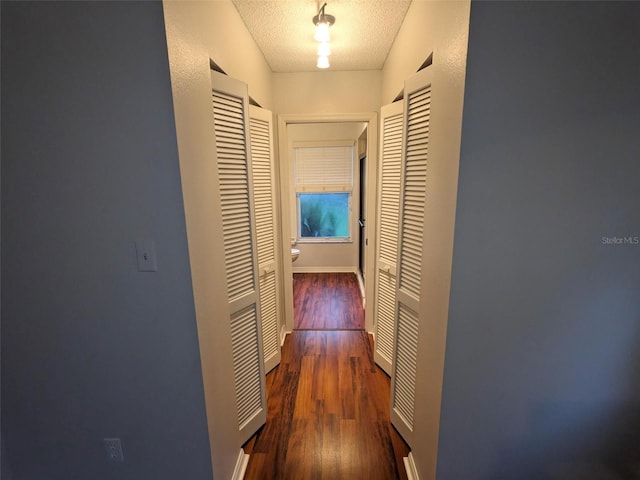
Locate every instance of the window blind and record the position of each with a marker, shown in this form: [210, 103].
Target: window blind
[323, 169]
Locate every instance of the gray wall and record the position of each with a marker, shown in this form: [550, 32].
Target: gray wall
[542, 370]
[91, 347]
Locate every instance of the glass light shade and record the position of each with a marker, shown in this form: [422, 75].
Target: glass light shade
[323, 61]
[322, 32]
[324, 49]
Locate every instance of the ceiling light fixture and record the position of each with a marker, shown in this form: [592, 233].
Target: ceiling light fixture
[324, 49]
[323, 61]
[323, 21]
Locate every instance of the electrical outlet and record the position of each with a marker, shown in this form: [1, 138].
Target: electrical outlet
[114, 450]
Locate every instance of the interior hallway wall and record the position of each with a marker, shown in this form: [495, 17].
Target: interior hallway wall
[219, 31]
[542, 378]
[327, 92]
[92, 348]
[411, 47]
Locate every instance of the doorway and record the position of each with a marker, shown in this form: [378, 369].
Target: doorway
[287, 197]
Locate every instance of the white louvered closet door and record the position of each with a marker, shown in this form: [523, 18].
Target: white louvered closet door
[263, 169]
[388, 212]
[415, 153]
[231, 127]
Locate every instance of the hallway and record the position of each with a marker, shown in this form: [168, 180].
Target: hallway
[327, 301]
[328, 403]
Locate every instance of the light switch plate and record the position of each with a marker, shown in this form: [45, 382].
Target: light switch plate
[146, 253]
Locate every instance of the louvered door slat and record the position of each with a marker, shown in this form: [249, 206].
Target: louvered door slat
[230, 124]
[405, 372]
[244, 339]
[386, 298]
[415, 155]
[234, 182]
[414, 193]
[262, 166]
[390, 186]
[389, 207]
[270, 340]
[229, 104]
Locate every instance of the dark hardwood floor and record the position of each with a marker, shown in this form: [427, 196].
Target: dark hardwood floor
[328, 413]
[327, 301]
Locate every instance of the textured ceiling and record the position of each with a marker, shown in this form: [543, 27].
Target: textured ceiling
[360, 39]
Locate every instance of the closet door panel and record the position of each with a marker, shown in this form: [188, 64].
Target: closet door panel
[231, 130]
[415, 155]
[388, 213]
[263, 169]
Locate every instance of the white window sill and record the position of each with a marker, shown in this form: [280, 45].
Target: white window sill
[323, 240]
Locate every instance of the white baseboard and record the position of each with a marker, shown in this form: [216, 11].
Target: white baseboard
[410, 467]
[241, 466]
[325, 269]
[283, 335]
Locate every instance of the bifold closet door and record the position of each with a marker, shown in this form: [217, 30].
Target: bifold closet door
[263, 169]
[388, 211]
[233, 153]
[415, 155]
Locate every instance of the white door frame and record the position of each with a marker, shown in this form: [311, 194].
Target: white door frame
[371, 118]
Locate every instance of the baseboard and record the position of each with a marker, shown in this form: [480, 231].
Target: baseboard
[325, 269]
[241, 466]
[283, 335]
[410, 467]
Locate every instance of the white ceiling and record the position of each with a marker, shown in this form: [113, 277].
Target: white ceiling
[360, 39]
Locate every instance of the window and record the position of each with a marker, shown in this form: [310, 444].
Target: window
[323, 215]
[324, 185]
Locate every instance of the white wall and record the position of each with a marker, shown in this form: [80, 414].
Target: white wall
[92, 348]
[327, 92]
[413, 44]
[218, 29]
[541, 377]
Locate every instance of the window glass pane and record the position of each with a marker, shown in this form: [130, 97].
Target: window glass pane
[324, 215]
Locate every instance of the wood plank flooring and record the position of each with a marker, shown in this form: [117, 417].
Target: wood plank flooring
[328, 413]
[327, 301]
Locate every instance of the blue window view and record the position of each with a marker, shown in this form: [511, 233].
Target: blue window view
[324, 215]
